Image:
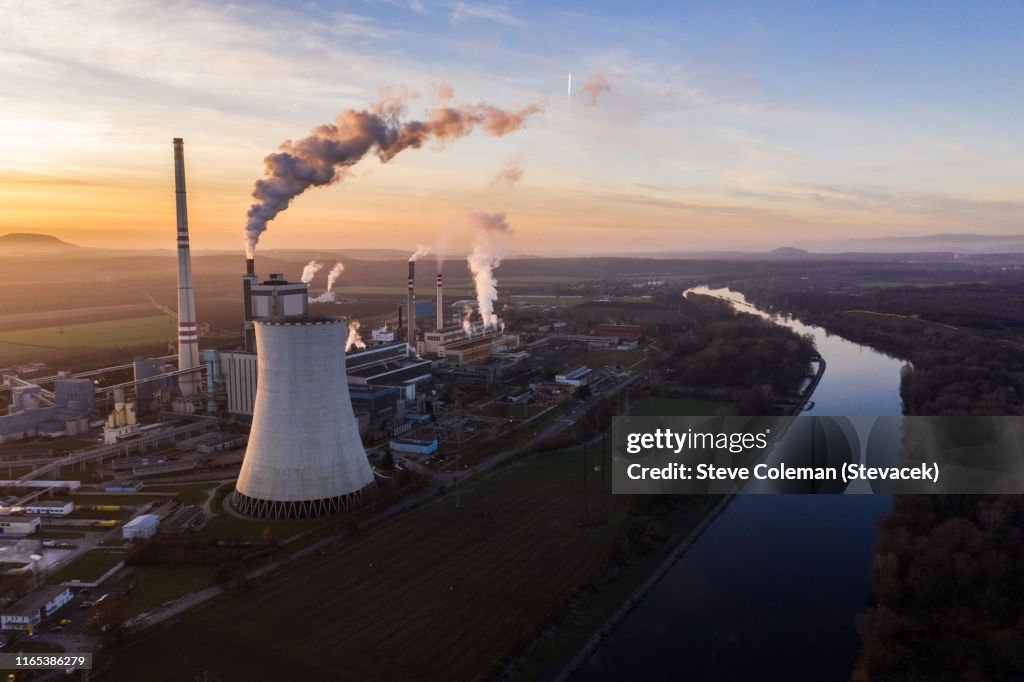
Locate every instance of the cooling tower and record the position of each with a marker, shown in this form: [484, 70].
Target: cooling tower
[304, 457]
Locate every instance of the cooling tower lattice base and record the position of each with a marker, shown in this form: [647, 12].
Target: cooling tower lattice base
[299, 509]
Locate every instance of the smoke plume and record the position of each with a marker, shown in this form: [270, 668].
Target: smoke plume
[334, 274]
[492, 230]
[421, 250]
[328, 296]
[510, 174]
[595, 85]
[467, 324]
[324, 156]
[354, 340]
[312, 267]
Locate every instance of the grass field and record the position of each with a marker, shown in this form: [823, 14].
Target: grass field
[154, 585]
[87, 567]
[111, 334]
[439, 593]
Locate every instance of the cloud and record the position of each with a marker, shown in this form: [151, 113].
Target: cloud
[510, 174]
[497, 14]
[595, 84]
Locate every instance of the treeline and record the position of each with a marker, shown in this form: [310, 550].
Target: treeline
[760, 360]
[952, 371]
[948, 576]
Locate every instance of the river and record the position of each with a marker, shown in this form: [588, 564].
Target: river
[772, 588]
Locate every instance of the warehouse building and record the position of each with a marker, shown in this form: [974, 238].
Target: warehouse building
[30, 610]
[141, 527]
[19, 528]
[50, 508]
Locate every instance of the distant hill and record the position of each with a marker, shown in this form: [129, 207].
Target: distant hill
[33, 242]
[951, 243]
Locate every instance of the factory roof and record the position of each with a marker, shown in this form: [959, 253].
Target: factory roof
[473, 342]
[578, 372]
[34, 601]
[299, 319]
[144, 520]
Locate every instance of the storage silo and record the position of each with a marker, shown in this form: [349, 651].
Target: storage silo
[304, 457]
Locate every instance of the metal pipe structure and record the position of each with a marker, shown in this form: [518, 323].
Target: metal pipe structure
[440, 301]
[411, 304]
[304, 457]
[188, 333]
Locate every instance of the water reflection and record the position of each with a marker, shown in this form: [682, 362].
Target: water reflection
[771, 589]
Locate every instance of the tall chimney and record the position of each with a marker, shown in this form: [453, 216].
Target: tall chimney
[440, 300]
[411, 333]
[248, 333]
[188, 333]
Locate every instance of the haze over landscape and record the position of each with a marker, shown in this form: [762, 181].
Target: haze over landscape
[746, 129]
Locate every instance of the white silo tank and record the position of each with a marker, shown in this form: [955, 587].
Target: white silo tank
[304, 458]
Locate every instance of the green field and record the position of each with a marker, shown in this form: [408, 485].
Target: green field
[136, 331]
[154, 585]
[439, 593]
[88, 567]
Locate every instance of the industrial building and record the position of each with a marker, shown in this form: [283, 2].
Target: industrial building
[580, 376]
[414, 446]
[478, 349]
[50, 508]
[26, 613]
[434, 342]
[141, 527]
[34, 411]
[304, 457]
[387, 366]
[184, 519]
[19, 527]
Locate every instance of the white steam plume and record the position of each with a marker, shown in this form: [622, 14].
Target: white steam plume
[354, 340]
[328, 296]
[312, 267]
[421, 250]
[467, 324]
[334, 274]
[325, 155]
[492, 229]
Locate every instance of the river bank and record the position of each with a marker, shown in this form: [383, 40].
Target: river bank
[771, 579]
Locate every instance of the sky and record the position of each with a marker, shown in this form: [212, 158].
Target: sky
[725, 125]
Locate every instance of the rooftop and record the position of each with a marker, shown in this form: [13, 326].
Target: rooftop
[32, 602]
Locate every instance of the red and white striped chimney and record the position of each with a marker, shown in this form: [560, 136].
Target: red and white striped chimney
[188, 333]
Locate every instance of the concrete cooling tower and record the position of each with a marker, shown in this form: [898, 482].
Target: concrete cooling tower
[304, 457]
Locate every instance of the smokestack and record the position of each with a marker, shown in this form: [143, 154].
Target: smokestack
[411, 304]
[440, 301]
[188, 333]
[248, 334]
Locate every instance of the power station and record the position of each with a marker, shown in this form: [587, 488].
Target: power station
[304, 458]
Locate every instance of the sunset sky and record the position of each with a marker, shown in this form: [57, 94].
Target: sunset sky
[726, 125]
